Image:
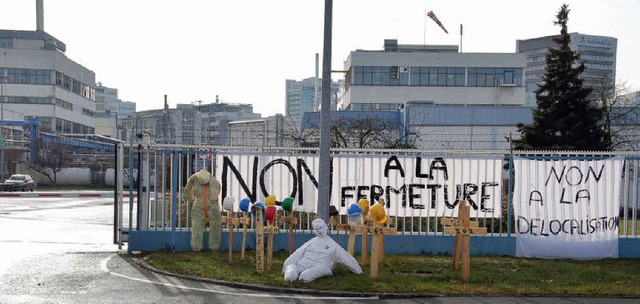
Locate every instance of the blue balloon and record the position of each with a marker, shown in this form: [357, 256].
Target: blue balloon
[245, 204]
[254, 209]
[354, 211]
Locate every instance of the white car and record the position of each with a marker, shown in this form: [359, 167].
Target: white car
[16, 182]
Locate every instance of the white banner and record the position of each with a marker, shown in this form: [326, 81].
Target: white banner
[410, 185]
[567, 208]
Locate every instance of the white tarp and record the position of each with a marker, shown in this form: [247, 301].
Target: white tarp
[410, 185]
[567, 208]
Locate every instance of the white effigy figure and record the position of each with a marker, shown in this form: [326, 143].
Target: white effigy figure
[317, 257]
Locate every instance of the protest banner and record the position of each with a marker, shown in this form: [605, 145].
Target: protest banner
[410, 185]
[567, 208]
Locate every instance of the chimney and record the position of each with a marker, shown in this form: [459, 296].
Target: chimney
[39, 16]
[166, 103]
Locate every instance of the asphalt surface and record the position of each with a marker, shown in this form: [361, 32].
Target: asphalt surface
[60, 250]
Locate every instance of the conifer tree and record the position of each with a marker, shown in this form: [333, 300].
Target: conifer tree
[565, 119]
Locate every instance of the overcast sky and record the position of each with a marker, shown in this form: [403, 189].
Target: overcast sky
[244, 50]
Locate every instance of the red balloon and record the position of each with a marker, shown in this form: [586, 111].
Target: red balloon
[271, 213]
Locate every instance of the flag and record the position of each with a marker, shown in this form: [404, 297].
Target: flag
[433, 16]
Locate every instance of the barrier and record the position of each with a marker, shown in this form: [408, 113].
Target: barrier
[418, 187]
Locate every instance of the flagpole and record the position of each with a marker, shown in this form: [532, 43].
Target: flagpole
[460, 37]
[424, 35]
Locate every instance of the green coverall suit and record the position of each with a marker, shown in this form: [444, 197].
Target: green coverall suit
[202, 192]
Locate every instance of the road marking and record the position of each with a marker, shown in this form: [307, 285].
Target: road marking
[104, 268]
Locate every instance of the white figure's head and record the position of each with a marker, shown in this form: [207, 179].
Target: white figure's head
[320, 227]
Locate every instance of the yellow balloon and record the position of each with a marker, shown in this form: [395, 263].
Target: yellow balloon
[270, 200]
[378, 214]
[364, 205]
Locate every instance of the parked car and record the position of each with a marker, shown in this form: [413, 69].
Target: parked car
[18, 182]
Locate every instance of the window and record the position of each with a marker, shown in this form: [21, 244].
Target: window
[493, 77]
[75, 86]
[443, 76]
[394, 72]
[379, 75]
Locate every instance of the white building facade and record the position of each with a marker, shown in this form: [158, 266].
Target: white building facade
[39, 80]
[264, 132]
[390, 78]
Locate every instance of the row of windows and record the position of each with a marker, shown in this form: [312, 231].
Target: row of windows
[492, 77]
[63, 126]
[29, 76]
[88, 112]
[432, 76]
[75, 86]
[380, 75]
[27, 99]
[43, 100]
[374, 106]
[65, 104]
[38, 76]
[442, 77]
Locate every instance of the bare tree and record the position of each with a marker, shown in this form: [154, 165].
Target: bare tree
[365, 130]
[370, 132]
[621, 115]
[294, 136]
[52, 157]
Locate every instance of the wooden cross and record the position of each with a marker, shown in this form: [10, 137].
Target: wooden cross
[231, 222]
[377, 247]
[259, 241]
[351, 228]
[463, 228]
[260, 230]
[270, 229]
[291, 221]
[246, 221]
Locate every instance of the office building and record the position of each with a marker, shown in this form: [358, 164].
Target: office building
[37, 79]
[304, 96]
[438, 74]
[597, 52]
[189, 123]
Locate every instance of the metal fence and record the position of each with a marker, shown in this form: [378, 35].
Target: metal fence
[159, 173]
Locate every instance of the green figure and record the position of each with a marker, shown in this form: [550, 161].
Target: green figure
[202, 191]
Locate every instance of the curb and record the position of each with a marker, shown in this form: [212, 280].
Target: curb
[106, 194]
[329, 293]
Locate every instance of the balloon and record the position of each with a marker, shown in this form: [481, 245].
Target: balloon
[287, 204]
[254, 210]
[378, 214]
[364, 205]
[354, 211]
[270, 213]
[270, 200]
[245, 204]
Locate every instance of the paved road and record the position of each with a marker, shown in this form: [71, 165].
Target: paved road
[59, 250]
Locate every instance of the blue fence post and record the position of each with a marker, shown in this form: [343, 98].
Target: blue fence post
[174, 193]
[510, 195]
